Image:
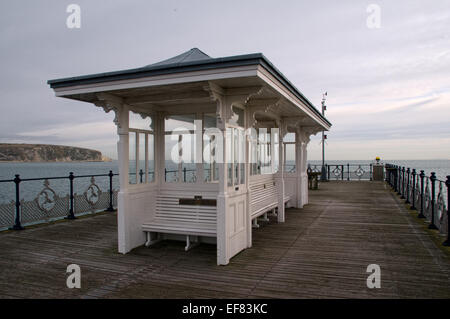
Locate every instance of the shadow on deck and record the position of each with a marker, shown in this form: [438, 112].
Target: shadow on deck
[322, 251]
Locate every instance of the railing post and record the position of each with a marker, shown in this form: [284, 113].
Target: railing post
[394, 171]
[71, 197]
[403, 183]
[17, 223]
[141, 173]
[422, 187]
[342, 172]
[447, 183]
[370, 172]
[165, 174]
[399, 180]
[386, 178]
[328, 169]
[111, 193]
[387, 175]
[348, 171]
[391, 176]
[433, 191]
[413, 189]
[408, 172]
[184, 174]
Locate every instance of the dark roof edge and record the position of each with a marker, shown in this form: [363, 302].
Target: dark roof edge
[233, 61]
[280, 77]
[153, 70]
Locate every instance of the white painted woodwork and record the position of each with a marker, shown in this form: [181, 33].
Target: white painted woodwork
[150, 212]
[283, 197]
[173, 218]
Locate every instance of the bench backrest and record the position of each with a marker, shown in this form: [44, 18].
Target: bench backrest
[168, 208]
[263, 195]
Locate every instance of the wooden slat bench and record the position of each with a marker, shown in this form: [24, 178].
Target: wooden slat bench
[173, 218]
[263, 198]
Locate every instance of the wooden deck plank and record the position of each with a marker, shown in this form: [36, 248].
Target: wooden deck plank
[322, 251]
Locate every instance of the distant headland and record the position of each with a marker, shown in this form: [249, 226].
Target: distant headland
[48, 153]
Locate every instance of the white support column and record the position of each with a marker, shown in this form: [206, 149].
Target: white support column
[298, 168]
[159, 139]
[301, 144]
[232, 219]
[123, 209]
[304, 174]
[248, 125]
[279, 177]
[198, 131]
[222, 229]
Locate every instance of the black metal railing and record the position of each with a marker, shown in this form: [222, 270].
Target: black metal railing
[289, 168]
[345, 172]
[426, 194]
[141, 175]
[48, 205]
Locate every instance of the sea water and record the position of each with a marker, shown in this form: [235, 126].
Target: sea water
[30, 189]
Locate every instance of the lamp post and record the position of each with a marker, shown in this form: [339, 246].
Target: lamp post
[323, 177]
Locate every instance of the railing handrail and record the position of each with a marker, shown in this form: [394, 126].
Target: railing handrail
[71, 177]
[55, 177]
[424, 191]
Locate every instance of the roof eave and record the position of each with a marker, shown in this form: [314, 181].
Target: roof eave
[233, 61]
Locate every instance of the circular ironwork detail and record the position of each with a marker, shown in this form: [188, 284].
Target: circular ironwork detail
[92, 193]
[46, 199]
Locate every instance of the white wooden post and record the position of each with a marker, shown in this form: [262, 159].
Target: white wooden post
[304, 171]
[222, 229]
[279, 177]
[198, 157]
[301, 144]
[123, 209]
[159, 157]
[248, 121]
[232, 219]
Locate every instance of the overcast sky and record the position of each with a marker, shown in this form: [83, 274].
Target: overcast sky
[388, 87]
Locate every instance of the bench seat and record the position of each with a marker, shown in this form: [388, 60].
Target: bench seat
[169, 226]
[264, 198]
[171, 217]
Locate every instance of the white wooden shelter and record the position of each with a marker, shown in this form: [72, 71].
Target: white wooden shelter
[210, 200]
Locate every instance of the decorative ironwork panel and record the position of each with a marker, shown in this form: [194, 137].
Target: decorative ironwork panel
[359, 172]
[172, 176]
[92, 200]
[32, 212]
[416, 199]
[337, 172]
[49, 205]
[115, 193]
[410, 187]
[427, 200]
[315, 169]
[7, 214]
[441, 209]
[46, 206]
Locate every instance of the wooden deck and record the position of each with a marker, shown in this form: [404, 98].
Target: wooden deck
[322, 251]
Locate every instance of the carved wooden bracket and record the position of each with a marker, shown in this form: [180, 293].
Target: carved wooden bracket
[264, 106]
[305, 133]
[110, 102]
[282, 125]
[216, 94]
[227, 98]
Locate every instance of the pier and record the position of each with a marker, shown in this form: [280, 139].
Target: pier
[321, 251]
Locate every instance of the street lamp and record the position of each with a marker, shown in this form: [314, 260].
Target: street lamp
[323, 177]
